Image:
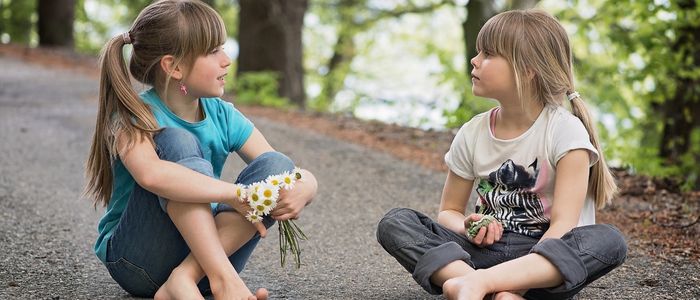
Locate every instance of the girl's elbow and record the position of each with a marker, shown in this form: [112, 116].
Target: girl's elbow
[146, 180]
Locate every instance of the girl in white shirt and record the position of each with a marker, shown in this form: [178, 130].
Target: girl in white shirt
[539, 174]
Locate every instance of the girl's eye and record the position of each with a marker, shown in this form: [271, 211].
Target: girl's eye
[217, 49]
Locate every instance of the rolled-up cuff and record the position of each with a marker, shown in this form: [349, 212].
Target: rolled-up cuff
[435, 259]
[197, 164]
[566, 260]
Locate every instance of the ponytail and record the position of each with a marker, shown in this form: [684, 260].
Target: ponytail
[601, 182]
[120, 111]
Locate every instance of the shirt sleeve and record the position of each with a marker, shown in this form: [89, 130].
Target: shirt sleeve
[239, 127]
[570, 134]
[458, 158]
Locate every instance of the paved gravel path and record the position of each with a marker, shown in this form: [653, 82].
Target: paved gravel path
[47, 230]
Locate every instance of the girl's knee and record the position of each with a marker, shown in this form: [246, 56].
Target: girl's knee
[175, 144]
[616, 242]
[266, 164]
[393, 224]
[605, 242]
[274, 162]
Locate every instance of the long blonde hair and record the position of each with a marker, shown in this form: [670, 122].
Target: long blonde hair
[184, 29]
[535, 43]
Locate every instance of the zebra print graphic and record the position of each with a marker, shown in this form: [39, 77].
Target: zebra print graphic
[506, 195]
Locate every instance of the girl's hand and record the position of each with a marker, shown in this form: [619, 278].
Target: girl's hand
[487, 235]
[289, 204]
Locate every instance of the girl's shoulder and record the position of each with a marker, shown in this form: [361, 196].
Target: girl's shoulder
[476, 123]
[218, 105]
[563, 121]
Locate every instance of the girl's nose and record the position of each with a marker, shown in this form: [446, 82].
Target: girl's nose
[474, 61]
[226, 61]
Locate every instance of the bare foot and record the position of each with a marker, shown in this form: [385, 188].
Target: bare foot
[468, 287]
[178, 286]
[508, 296]
[260, 294]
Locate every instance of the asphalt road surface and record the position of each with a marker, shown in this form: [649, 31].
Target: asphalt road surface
[47, 230]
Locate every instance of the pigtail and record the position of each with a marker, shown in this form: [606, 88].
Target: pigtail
[120, 111]
[601, 181]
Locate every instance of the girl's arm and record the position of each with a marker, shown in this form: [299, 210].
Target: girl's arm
[455, 196]
[171, 180]
[570, 190]
[293, 201]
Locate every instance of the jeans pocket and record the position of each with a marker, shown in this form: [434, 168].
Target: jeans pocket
[603, 242]
[132, 278]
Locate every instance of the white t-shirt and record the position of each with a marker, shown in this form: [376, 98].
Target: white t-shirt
[515, 178]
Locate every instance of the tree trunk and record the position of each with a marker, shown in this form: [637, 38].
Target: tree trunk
[56, 23]
[681, 114]
[269, 36]
[478, 12]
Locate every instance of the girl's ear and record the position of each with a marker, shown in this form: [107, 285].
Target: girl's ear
[167, 64]
[530, 74]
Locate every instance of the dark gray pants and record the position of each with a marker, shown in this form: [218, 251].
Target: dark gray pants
[423, 246]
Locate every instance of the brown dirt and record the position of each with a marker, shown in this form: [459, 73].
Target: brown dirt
[657, 218]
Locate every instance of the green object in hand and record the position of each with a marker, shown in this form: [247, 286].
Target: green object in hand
[475, 226]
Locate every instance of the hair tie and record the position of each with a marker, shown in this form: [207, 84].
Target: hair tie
[573, 95]
[126, 38]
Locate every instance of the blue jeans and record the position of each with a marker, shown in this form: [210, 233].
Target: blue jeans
[146, 246]
[422, 246]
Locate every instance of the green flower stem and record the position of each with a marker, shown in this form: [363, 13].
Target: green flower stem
[289, 236]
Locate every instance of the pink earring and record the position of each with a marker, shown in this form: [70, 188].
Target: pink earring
[183, 88]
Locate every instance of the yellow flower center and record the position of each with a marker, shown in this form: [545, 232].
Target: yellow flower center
[267, 193]
[254, 197]
[260, 208]
[267, 202]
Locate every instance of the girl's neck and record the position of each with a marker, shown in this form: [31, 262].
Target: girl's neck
[184, 106]
[515, 118]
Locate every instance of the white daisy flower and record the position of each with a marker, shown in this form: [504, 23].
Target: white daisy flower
[269, 204]
[288, 180]
[268, 191]
[254, 187]
[275, 180]
[261, 209]
[241, 192]
[253, 217]
[254, 198]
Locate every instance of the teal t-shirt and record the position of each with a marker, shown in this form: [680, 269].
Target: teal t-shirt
[223, 130]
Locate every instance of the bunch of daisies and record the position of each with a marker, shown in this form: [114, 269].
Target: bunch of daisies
[262, 198]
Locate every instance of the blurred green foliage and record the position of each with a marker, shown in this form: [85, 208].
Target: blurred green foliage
[259, 88]
[631, 61]
[17, 18]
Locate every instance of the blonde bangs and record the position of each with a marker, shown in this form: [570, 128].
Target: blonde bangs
[497, 36]
[203, 29]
